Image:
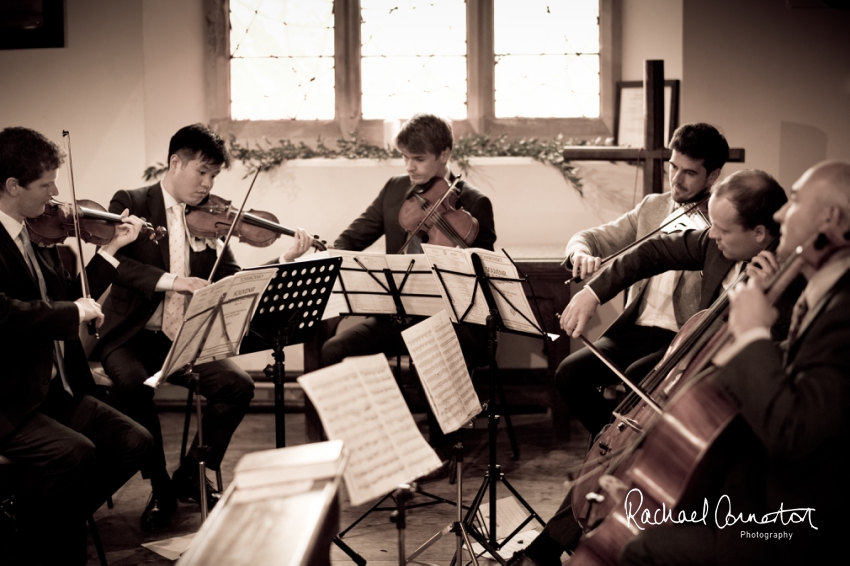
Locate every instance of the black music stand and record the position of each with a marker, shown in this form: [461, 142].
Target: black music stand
[289, 312]
[494, 473]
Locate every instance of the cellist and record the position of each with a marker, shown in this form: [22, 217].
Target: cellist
[741, 209]
[796, 403]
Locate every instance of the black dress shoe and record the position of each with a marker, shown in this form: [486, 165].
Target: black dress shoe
[158, 511]
[186, 486]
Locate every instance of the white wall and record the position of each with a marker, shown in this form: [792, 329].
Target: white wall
[776, 80]
[651, 29]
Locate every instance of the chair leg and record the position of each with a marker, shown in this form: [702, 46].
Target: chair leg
[186, 422]
[98, 545]
[218, 480]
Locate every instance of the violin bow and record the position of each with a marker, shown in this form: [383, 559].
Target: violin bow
[232, 227]
[694, 206]
[75, 214]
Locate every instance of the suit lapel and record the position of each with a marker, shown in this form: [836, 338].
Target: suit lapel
[156, 207]
[10, 249]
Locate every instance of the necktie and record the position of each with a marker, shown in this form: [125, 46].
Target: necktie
[35, 271]
[801, 307]
[172, 315]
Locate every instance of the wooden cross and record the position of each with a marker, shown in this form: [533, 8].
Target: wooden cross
[653, 154]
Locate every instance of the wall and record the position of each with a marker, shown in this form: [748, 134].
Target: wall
[777, 80]
[651, 29]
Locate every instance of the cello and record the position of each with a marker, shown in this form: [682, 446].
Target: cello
[679, 449]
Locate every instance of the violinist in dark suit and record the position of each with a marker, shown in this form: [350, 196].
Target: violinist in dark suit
[795, 400]
[73, 451]
[145, 308]
[741, 209]
[425, 141]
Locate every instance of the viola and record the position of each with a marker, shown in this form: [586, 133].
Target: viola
[214, 217]
[679, 450]
[430, 211]
[97, 226]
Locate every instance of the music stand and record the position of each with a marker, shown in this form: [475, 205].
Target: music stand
[289, 313]
[193, 345]
[495, 324]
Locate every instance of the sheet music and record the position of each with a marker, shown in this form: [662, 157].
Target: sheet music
[435, 350]
[459, 289]
[359, 285]
[237, 296]
[360, 403]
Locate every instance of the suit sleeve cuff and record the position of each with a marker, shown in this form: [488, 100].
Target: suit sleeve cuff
[165, 283]
[108, 257]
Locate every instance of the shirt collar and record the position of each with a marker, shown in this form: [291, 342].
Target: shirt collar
[826, 278]
[12, 226]
[168, 200]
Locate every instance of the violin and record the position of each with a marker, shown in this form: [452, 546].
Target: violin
[97, 226]
[678, 451]
[214, 217]
[430, 211]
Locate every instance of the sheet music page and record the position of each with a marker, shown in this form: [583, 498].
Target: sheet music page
[364, 293]
[420, 281]
[458, 290]
[497, 264]
[435, 350]
[238, 294]
[360, 403]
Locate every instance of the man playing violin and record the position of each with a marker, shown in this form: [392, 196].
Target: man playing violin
[425, 142]
[795, 399]
[145, 309]
[71, 450]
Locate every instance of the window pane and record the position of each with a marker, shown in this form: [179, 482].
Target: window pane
[281, 64]
[413, 58]
[547, 58]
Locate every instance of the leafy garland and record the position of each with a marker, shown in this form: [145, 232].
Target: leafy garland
[270, 156]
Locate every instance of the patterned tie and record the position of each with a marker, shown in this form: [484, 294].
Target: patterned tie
[35, 271]
[172, 315]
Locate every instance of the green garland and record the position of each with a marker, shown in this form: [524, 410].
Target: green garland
[270, 156]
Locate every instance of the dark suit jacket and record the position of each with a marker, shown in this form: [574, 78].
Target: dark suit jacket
[691, 250]
[133, 298]
[28, 327]
[800, 416]
[381, 218]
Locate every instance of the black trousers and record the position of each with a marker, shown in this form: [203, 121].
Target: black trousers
[379, 335]
[227, 388]
[70, 456]
[580, 375]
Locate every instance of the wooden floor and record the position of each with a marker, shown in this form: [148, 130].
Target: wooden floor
[537, 476]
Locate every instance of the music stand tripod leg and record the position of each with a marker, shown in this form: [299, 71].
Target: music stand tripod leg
[277, 373]
[359, 560]
[195, 384]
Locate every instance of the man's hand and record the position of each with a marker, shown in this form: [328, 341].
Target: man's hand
[749, 309]
[188, 285]
[585, 265]
[580, 310]
[763, 268]
[125, 233]
[90, 310]
[303, 242]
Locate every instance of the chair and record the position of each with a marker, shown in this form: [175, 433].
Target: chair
[7, 508]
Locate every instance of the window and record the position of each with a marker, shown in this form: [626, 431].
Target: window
[323, 68]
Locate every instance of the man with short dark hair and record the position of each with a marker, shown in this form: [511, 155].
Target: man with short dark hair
[145, 310]
[72, 450]
[656, 307]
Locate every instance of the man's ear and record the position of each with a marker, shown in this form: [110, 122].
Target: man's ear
[444, 157]
[11, 186]
[174, 161]
[713, 176]
[761, 233]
